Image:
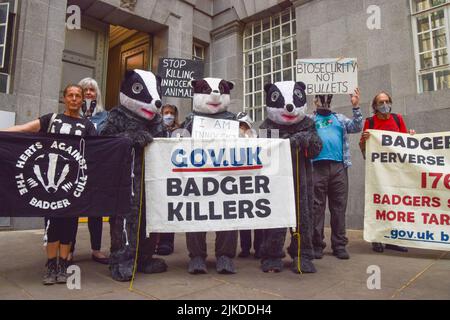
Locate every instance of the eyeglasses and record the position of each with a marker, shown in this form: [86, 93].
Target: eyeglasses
[241, 115]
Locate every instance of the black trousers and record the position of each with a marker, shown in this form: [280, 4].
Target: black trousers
[225, 245]
[246, 239]
[330, 180]
[166, 239]
[61, 229]
[95, 225]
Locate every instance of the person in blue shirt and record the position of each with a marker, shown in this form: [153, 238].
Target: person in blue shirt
[330, 172]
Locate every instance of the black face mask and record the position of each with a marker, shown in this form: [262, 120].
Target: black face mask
[88, 107]
[325, 104]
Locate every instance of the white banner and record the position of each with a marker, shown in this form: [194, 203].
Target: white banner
[217, 185]
[328, 76]
[408, 189]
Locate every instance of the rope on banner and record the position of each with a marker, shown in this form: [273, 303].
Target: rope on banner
[46, 233]
[296, 234]
[139, 224]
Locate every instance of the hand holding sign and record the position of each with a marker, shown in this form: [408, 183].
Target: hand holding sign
[355, 98]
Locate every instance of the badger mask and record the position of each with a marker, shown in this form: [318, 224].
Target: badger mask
[140, 93]
[286, 102]
[211, 95]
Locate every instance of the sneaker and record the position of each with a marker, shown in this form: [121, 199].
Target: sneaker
[396, 248]
[61, 276]
[318, 253]
[341, 254]
[377, 247]
[244, 254]
[50, 273]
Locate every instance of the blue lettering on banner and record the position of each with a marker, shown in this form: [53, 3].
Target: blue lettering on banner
[233, 157]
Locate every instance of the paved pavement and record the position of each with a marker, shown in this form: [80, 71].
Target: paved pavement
[418, 274]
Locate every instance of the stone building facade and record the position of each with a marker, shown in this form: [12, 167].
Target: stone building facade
[248, 42]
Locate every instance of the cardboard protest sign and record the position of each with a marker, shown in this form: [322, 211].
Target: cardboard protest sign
[209, 128]
[217, 185]
[328, 76]
[176, 75]
[407, 189]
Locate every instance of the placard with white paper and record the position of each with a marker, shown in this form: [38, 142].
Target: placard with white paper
[209, 128]
[328, 76]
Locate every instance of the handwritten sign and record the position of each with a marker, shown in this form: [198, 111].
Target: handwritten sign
[328, 76]
[176, 75]
[209, 128]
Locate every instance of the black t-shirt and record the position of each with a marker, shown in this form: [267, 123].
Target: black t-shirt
[63, 124]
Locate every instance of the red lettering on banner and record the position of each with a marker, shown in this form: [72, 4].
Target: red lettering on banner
[399, 216]
[431, 218]
[409, 201]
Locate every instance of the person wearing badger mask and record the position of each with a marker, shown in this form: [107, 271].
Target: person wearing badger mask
[383, 119]
[137, 118]
[211, 99]
[286, 119]
[330, 172]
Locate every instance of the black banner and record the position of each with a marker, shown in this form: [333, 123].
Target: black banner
[176, 75]
[63, 175]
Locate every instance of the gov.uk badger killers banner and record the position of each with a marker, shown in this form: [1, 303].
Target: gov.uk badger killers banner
[62, 175]
[197, 185]
[408, 189]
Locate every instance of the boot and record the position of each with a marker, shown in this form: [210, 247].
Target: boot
[121, 264]
[225, 265]
[51, 272]
[306, 265]
[147, 264]
[272, 265]
[62, 275]
[197, 265]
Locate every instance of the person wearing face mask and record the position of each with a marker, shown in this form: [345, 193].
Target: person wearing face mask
[94, 111]
[330, 172]
[245, 236]
[383, 119]
[169, 113]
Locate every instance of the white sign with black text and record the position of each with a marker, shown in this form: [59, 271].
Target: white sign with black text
[218, 185]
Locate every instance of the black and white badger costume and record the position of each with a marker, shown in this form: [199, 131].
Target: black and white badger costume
[286, 112]
[137, 118]
[211, 99]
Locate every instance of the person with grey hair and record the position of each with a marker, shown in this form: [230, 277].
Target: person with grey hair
[93, 110]
[93, 107]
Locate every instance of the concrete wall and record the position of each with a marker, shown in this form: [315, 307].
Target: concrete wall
[37, 72]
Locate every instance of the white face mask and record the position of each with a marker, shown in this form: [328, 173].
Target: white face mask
[168, 119]
[384, 108]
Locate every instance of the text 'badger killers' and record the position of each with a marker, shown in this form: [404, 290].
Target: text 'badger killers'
[210, 160]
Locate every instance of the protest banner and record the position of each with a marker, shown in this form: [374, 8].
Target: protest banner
[328, 76]
[62, 175]
[176, 75]
[209, 128]
[407, 200]
[217, 185]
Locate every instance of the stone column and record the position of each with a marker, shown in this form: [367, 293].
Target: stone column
[39, 57]
[175, 42]
[226, 60]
